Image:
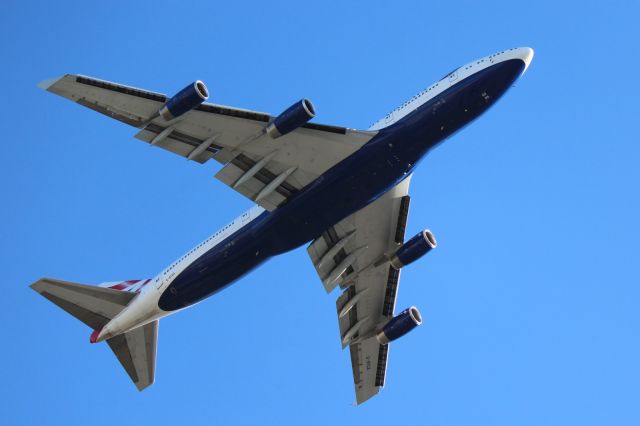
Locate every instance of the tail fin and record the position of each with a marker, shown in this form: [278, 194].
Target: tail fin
[96, 306]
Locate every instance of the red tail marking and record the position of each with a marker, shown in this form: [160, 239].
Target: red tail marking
[94, 336]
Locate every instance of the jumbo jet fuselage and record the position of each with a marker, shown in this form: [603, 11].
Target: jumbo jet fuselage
[402, 140]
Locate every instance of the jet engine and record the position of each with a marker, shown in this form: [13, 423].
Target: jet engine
[413, 249]
[399, 325]
[292, 118]
[185, 100]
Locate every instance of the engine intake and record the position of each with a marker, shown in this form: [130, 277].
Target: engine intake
[414, 249]
[292, 118]
[399, 325]
[185, 100]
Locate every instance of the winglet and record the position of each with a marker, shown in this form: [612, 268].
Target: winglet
[45, 84]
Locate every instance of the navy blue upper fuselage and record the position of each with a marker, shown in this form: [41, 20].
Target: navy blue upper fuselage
[350, 185]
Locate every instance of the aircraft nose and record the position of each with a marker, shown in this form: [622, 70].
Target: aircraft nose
[526, 55]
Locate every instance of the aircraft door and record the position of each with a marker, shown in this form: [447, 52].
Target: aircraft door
[453, 77]
[389, 118]
[245, 218]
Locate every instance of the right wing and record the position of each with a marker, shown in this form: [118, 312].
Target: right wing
[266, 170]
[352, 254]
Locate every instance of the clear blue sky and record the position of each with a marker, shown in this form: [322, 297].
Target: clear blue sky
[530, 301]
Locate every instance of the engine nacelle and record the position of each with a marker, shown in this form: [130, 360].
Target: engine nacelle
[292, 118]
[399, 325]
[413, 249]
[185, 100]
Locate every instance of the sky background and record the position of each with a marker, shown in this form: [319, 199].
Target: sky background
[530, 302]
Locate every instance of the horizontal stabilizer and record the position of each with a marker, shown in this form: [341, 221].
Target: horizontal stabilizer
[136, 351]
[94, 306]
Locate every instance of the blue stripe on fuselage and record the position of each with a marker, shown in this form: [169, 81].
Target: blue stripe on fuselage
[347, 187]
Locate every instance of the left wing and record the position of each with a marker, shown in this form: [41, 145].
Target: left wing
[266, 170]
[353, 254]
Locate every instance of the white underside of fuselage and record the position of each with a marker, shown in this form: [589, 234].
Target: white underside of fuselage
[144, 308]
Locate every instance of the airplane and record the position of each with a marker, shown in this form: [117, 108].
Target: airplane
[343, 191]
